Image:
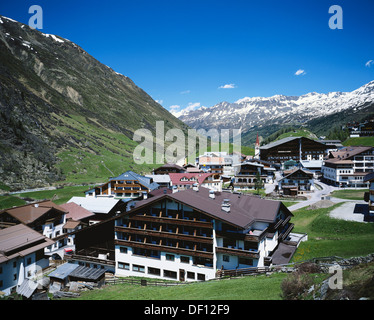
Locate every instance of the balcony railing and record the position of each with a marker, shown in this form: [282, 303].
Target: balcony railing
[165, 248]
[76, 257]
[239, 252]
[166, 219]
[166, 234]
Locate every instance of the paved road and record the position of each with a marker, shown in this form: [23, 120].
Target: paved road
[316, 196]
[345, 211]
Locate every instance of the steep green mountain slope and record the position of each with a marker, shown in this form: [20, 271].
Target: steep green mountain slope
[63, 114]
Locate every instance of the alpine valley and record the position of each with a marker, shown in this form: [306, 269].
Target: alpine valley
[67, 118]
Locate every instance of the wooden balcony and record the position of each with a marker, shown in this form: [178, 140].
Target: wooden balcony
[287, 232]
[165, 248]
[76, 257]
[180, 222]
[165, 234]
[255, 236]
[238, 252]
[244, 184]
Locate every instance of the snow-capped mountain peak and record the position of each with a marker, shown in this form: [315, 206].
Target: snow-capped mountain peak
[250, 111]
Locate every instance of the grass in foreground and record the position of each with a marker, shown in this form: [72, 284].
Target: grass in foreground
[331, 237]
[245, 288]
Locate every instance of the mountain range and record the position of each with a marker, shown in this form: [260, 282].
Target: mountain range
[64, 116]
[255, 113]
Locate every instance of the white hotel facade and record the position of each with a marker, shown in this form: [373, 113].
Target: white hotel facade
[189, 235]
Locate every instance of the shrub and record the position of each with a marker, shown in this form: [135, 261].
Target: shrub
[309, 267]
[294, 286]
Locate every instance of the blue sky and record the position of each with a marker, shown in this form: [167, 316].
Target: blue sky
[188, 53]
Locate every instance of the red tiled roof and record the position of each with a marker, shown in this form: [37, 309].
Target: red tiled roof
[200, 177]
[75, 211]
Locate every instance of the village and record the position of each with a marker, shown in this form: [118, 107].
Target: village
[185, 223]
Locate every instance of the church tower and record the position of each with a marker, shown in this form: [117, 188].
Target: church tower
[257, 148]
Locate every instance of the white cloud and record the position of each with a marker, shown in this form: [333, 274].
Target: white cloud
[228, 86]
[160, 101]
[176, 110]
[369, 63]
[185, 92]
[300, 72]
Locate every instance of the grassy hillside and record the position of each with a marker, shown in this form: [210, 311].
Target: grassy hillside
[362, 141]
[331, 237]
[298, 133]
[62, 112]
[289, 131]
[59, 196]
[350, 194]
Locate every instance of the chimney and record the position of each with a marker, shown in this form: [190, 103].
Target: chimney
[36, 205]
[212, 194]
[226, 206]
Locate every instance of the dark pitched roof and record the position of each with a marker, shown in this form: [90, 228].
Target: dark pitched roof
[349, 152]
[20, 240]
[87, 273]
[63, 271]
[288, 139]
[29, 213]
[369, 177]
[306, 172]
[170, 165]
[244, 209]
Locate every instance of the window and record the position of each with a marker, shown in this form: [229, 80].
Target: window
[154, 271]
[226, 258]
[138, 268]
[201, 276]
[28, 261]
[123, 250]
[246, 261]
[122, 265]
[190, 275]
[170, 274]
[185, 259]
[170, 257]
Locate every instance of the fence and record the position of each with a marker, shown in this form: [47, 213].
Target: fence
[143, 282]
[290, 267]
[253, 270]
